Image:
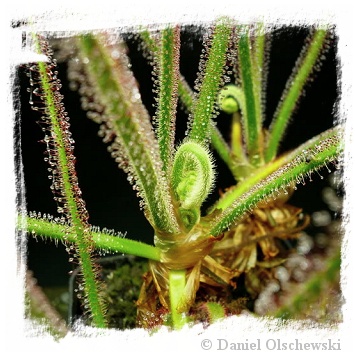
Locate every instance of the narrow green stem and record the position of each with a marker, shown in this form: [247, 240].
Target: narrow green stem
[251, 122]
[258, 51]
[221, 146]
[168, 77]
[177, 283]
[186, 94]
[101, 240]
[240, 165]
[292, 93]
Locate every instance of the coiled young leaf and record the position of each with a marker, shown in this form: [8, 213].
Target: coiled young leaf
[192, 179]
[231, 99]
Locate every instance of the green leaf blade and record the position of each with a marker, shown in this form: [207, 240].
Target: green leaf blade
[292, 93]
[168, 77]
[204, 105]
[44, 228]
[64, 176]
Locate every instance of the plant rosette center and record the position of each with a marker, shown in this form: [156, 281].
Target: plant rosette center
[187, 249]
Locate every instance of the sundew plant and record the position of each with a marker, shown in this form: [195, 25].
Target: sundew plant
[217, 154]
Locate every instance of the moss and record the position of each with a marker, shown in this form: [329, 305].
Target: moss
[122, 292]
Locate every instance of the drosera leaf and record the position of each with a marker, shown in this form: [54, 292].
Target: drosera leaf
[293, 90]
[231, 99]
[168, 79]
[187, 97]
[192, 180]
[210, 82]
[260, 174]
[107, 242]
[65, 181]
[250, 85]
[258, 52]
[289, 170]
[135, 147]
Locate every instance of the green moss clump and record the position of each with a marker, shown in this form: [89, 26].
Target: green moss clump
[123, 288]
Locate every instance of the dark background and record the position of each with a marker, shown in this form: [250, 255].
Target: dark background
[110, 200]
